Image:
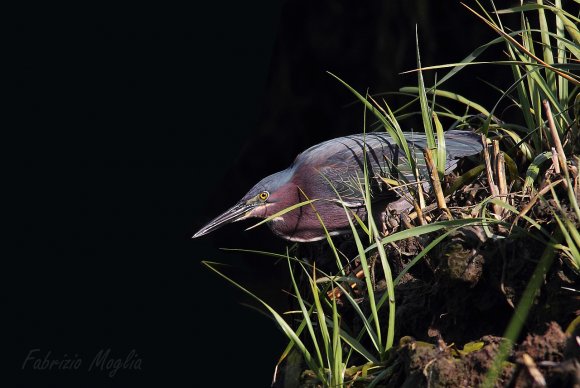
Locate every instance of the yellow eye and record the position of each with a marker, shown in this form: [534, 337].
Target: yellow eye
[264, 195]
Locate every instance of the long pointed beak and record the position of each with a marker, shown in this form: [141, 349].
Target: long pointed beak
[236, 213]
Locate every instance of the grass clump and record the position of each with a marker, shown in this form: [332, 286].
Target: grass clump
[502, 237]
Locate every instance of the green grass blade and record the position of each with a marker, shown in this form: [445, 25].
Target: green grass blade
[282, 212]
[291, 334]
[263, 253]
[570, 244]
[346, 337]
[305, 314]
[449, 95]
[469, 59]
[326, 233]
[561, 21]
[358, 347]
[425, 111]
[548, 56]
[320, 315]
[366, 323]
[388, 121]
[534, 168]
[430, 228]
[574, 233]
[367, 187]
[375, 335]
[291, 344]
[520, 143]
[567, 20]
[338, 367]
[390, 292]
[465, 179]
[564, 22]
[441, 149]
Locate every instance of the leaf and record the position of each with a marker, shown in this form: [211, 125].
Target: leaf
[470, 347]
[534, 168]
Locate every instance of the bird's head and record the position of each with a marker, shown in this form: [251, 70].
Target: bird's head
[264, 199]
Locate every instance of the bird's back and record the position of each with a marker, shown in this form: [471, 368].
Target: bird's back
[340, 161]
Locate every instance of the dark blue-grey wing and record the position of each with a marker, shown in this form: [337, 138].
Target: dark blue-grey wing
[459, 144]
[340, 162]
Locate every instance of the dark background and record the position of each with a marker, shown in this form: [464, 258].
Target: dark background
[135, 126]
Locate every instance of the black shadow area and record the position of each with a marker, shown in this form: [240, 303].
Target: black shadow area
[127, 121]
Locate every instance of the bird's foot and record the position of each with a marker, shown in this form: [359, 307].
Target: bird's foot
[390, 221]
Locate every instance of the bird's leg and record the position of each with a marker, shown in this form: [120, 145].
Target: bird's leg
[384, 216]
[390, 221]
[406, 220]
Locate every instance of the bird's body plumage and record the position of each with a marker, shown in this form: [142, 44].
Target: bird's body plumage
[337, 166]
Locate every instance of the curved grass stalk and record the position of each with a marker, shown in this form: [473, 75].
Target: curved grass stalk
[279, 320]
[450, 95]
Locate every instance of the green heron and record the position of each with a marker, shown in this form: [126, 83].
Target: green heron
[337, 166]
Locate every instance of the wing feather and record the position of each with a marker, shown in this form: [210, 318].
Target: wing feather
[341, 162]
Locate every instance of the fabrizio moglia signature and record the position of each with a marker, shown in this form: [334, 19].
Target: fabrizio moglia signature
[103, 361]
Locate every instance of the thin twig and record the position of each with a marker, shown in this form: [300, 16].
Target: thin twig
[555, 161]
[420, 190]
[489, 172]
[433, 174]
[555, 137]
[495, 150]
[488, 168]
[419, 213]
[499, 162]
[502, 182]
